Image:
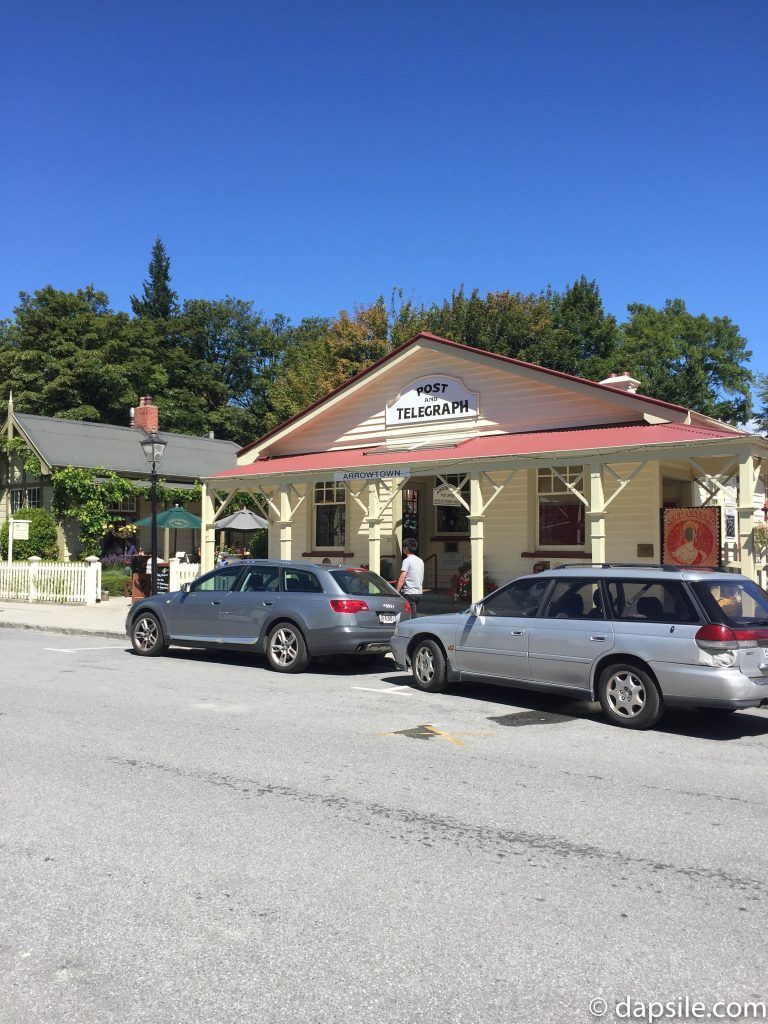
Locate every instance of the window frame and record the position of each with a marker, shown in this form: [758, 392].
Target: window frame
[525, 584]
[318, 502]
[576, 475]
[461, 482]
[233, 571]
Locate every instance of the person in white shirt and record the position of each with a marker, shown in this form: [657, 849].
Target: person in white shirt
[410, 582]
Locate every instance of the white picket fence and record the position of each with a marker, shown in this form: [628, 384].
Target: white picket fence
[181, 573]
[53, 582]
[70, 582]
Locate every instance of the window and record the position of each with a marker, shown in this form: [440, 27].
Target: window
[221, 579]
[260, 578]
[410, 513]
[29, 497]
[575, 599]
[330, 515]
[121, 507]
[353, 581]
[561, 512]
[453, 518]
[518, 599]
[299, 581]
[650, 601]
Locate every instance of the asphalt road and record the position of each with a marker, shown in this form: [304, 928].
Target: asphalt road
[196, 839]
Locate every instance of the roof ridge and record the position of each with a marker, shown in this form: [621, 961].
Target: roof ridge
[118, 426]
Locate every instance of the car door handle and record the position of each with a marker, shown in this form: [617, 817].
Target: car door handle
[519, 632]
[269, 603]
[599, 639]
[215, 602]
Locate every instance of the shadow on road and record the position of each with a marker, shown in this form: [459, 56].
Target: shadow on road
[546, 709]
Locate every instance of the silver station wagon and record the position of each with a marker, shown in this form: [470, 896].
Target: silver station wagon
[289, 611]
[636, 638]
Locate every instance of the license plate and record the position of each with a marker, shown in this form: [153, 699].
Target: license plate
[387, 620]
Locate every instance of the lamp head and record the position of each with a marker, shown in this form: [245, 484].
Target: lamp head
[153, 448]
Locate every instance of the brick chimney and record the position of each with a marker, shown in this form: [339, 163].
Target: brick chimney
[145, 416]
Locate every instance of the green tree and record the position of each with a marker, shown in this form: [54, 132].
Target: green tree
[68, 354]
[695, 361]
[219, 357]
[508, 323]
[581, 338]
[319, 355]
[42, 536]
[158, 300]
[761, 414]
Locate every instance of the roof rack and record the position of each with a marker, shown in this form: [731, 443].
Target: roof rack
[662, 567]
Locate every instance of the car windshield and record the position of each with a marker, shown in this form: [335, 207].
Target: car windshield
[738, 603]
[362, 581]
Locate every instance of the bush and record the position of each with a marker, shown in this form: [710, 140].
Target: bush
[43, 537]
[112, 581]
[258, 546]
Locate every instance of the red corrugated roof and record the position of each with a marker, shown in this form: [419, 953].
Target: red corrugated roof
[489, 447]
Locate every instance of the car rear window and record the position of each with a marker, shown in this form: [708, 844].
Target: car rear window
[362, 581]
[300, 581]
[738, 603]
[650, 601]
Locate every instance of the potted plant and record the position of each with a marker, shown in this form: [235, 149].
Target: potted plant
[461, 584]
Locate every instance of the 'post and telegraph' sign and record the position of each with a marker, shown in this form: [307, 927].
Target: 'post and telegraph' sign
[432, 400]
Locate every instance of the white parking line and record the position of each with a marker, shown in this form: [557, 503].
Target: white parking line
[75, 650]
[405, 690]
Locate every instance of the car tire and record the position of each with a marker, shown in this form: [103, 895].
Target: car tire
[287, 649]
[629, 696]
[147, 636]
[428, 666]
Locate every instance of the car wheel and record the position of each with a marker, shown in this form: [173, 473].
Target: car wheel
[147, 636]
[428, 666]
[629, 697]
[287, 649]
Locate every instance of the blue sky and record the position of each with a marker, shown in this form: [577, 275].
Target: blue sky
[312, 156]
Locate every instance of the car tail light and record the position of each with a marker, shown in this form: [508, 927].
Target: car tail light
[408, 610]
[348, 607]
[714, 637]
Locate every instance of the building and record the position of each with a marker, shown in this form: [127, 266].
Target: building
[58, 443]
[498, 463]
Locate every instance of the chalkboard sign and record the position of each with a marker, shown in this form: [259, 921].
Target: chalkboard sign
[163, 578]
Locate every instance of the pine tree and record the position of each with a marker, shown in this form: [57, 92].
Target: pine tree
[159, 301]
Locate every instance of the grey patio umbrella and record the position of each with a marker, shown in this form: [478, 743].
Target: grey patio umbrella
[244, 521]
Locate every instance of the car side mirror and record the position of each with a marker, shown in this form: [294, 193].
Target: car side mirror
[185, 587]
[476, 608]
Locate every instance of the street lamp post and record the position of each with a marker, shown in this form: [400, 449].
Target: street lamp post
[153, 449]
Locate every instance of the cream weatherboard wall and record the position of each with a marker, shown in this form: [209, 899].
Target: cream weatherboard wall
[633, 516]
[511, 398]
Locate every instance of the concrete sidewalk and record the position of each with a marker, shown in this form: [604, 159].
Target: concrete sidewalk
[106, 619]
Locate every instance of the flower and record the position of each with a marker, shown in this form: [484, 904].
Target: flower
[461, 584]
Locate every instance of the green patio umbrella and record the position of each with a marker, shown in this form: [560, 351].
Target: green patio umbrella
[176, 518]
